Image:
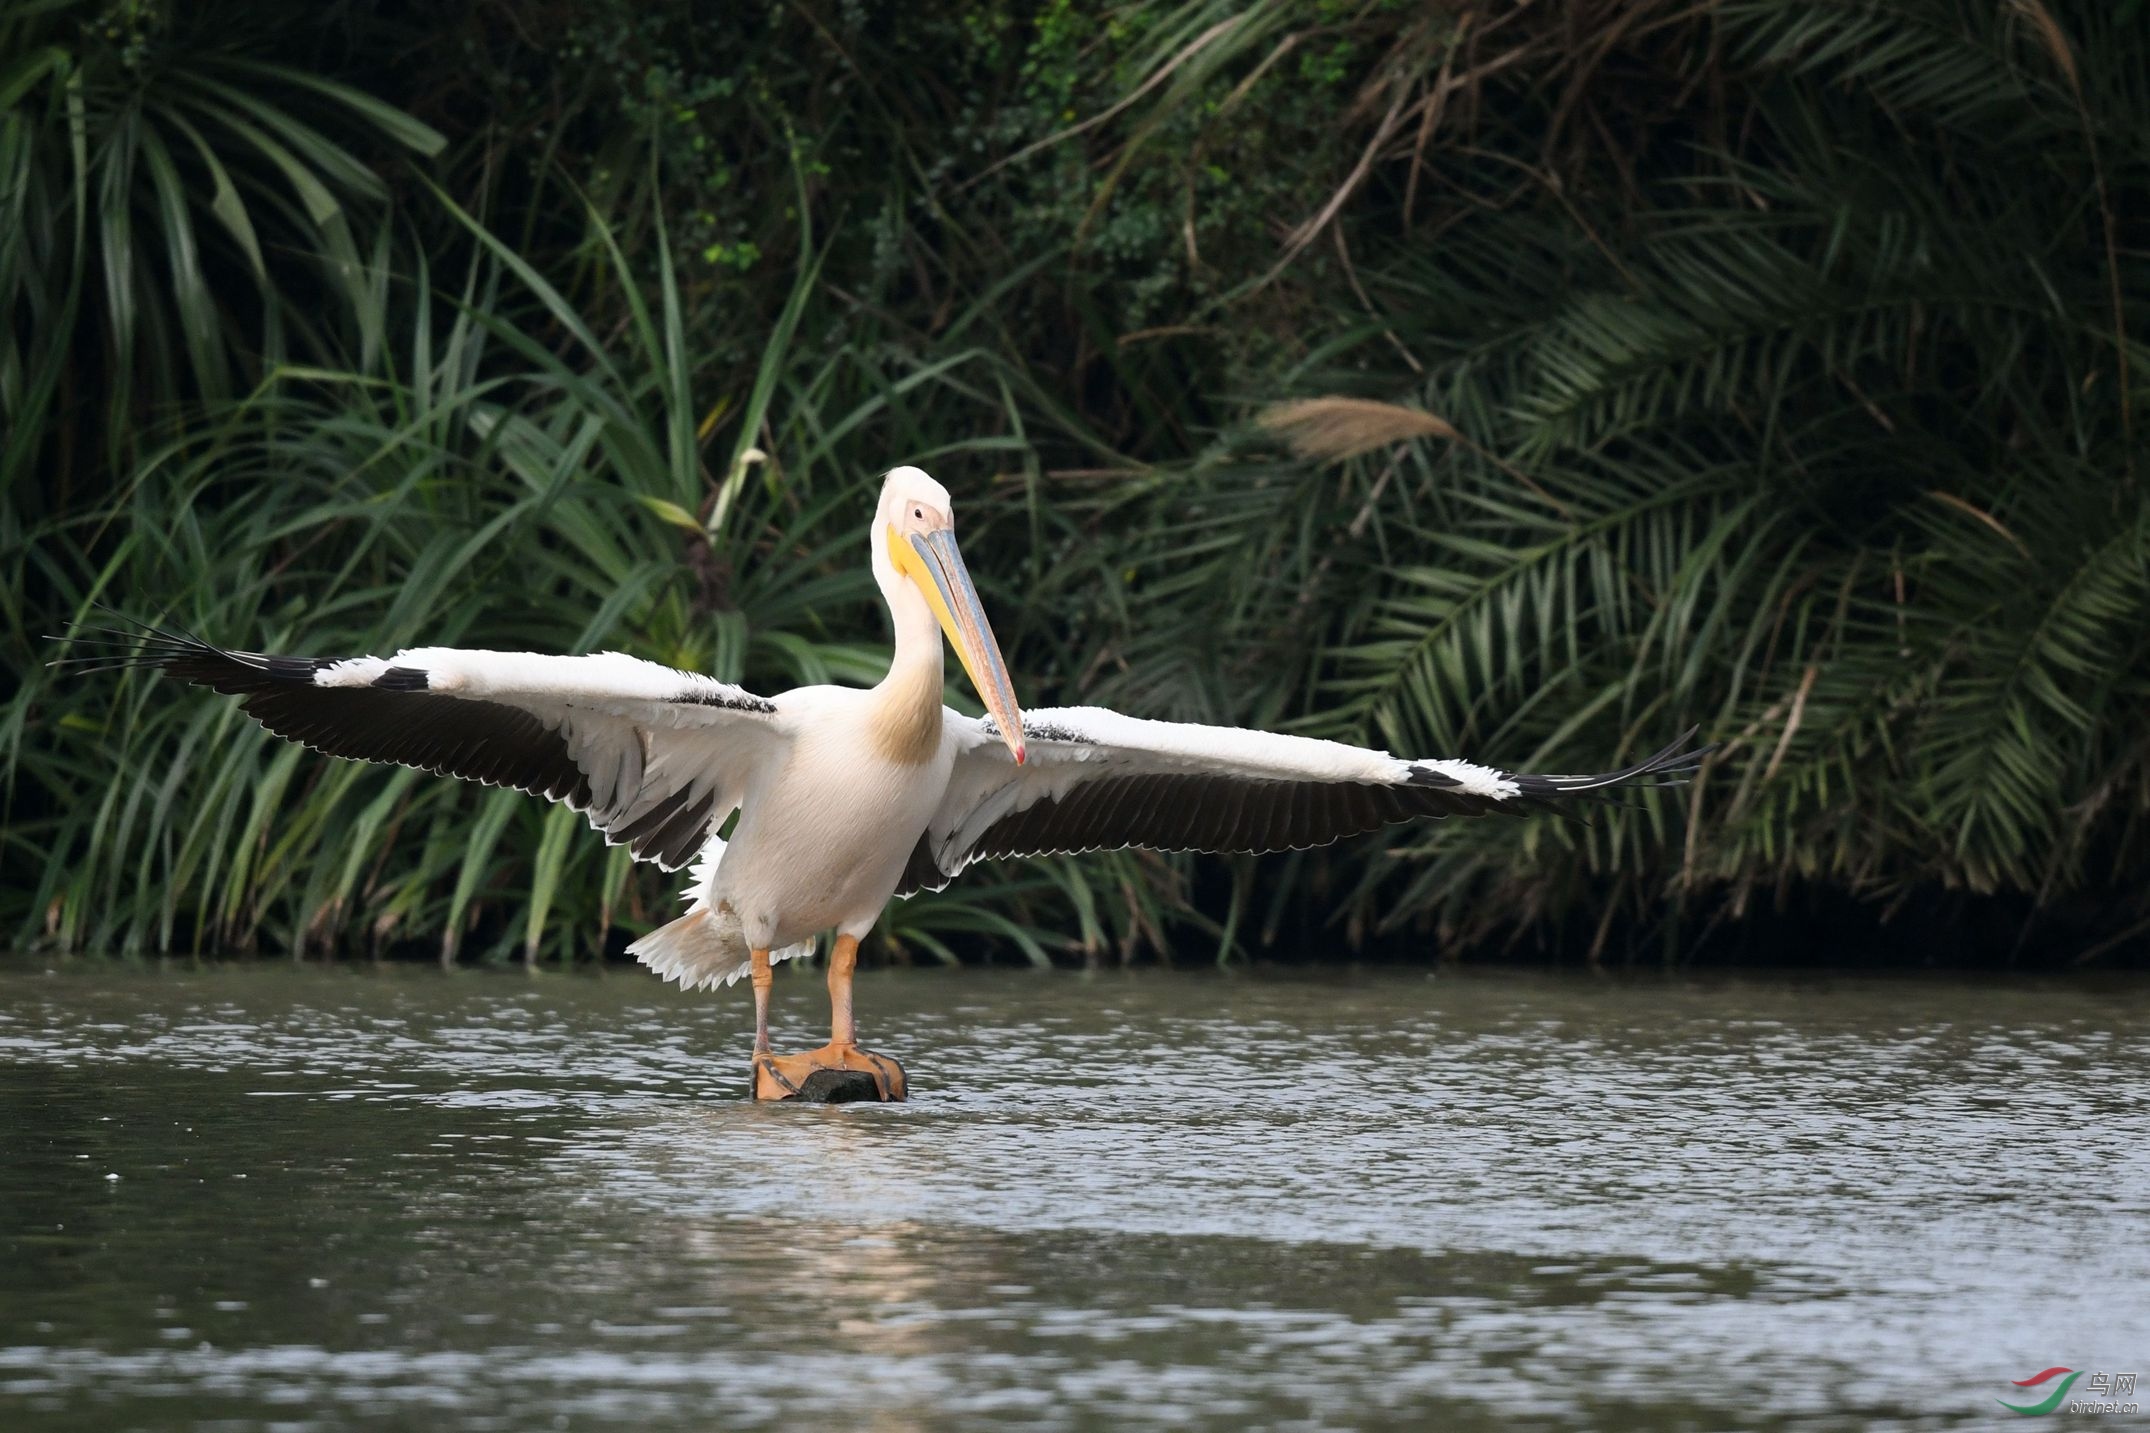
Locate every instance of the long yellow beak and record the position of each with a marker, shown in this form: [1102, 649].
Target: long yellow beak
[933, 563]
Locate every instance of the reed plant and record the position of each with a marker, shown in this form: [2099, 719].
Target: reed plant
[1522, 382]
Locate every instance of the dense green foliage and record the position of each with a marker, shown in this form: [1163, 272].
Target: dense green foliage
[1526, 382]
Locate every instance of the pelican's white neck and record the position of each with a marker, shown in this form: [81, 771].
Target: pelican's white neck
[917, 632]
[907, 703]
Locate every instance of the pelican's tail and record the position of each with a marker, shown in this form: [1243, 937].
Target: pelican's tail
[708, 945]
[700, 948]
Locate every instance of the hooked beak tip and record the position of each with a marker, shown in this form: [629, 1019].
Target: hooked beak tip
[1019, 756]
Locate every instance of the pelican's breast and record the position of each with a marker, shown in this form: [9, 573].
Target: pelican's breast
[823, 841]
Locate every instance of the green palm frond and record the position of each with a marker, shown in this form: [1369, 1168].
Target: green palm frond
[1819, 445]
[1774, 366]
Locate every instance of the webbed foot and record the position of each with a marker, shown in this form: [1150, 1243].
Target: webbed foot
[834, 1074]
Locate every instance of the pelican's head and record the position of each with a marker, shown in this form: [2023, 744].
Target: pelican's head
[914, 543]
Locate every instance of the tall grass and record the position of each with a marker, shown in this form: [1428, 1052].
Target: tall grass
[1533, 382]
[505, 478]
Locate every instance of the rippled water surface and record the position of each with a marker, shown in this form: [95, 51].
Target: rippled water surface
[306, 1197]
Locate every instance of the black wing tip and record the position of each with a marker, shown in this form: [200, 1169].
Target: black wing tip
[1679, 759]
[179, 653]
[134, 643]
[1673, 765]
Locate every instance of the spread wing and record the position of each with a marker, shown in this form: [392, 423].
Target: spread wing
[654, 756]
[1097, 780]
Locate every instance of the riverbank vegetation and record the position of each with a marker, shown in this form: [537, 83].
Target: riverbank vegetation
[1524, 381]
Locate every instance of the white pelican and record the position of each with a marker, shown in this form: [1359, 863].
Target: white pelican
[845, 797]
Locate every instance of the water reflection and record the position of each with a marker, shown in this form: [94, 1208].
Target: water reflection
[1116, 1202]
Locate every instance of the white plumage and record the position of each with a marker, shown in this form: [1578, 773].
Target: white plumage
[846, 797]
[705, 947]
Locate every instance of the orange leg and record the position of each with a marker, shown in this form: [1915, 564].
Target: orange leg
[761, 977]
[784, 1077]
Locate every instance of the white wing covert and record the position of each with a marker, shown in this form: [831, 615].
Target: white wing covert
[654, 756]
[1097, 780]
